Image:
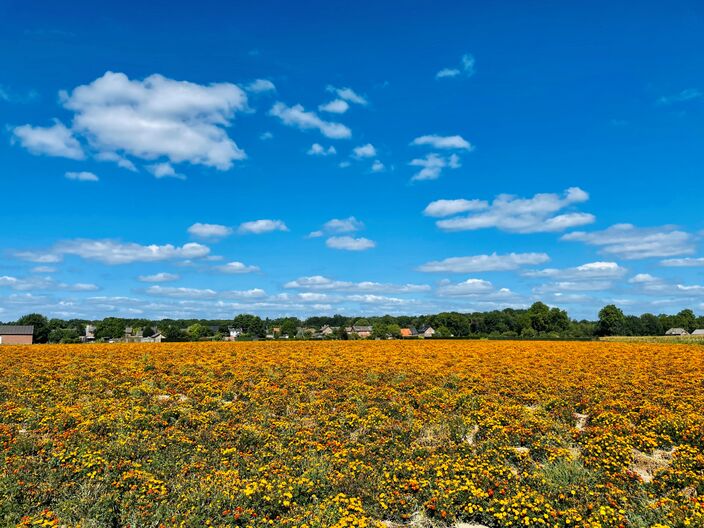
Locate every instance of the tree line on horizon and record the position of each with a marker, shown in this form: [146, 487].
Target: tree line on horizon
[537, 321]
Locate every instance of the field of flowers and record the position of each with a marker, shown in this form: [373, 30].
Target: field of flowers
[343, 434]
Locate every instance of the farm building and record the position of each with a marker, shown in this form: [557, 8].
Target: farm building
[16, 335]
[698, 331]
[676, 332]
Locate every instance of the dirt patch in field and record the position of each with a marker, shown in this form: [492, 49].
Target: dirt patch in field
[580, 421]
[645, 466]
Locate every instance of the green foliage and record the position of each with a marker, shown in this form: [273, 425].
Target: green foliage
[611, 321]
[41, 326]
[251, 325]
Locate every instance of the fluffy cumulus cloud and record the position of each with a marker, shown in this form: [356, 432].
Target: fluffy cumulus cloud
[378, 166]
[148, 119]
[480, 263]
[258, 227]
[336, 106]
[523, 215]
[364, 151]
[296, 116]
[261, 86]
[338, 225]
[81, 176]
[209, 230]
[441, 208]
[466, 68]
[349, 243]
[630, 242]
[316, 149]
[320, 282]
[56, 140]
[481, 293]
[164, 170]
[443, 142]
[591, 270]
[349, 95]
[115, 252]
[432, 165]
[158, 277]
[236, 267]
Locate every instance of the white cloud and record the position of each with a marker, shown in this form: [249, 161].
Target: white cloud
[467, 287]
[44, 269]
[378, 166]
[236, 268]
[159, 277]
[266, 136]
[443, 142]
[630, 242]
[257, 227]
[338, 225]
[480, 263]
[164, 170]
[296, 116]
[261, 85]
[336, 106]
[573, 286]
[81, 176]
[348, 94]
[116, 158]
[319, 282]
[524, 215]
[349, 243]
[447, 72]
[158, 117]
[688, 262]
[343, 225]
[589, 271]
[115, 252]
[38, 257]
[56, 140]
[209, 230]
[254, 293]
[466, 67]
[43, 284]
[316, 149]
[186, 293]
[440, 208]
[364, 151]
[432, 166]
[688, 94]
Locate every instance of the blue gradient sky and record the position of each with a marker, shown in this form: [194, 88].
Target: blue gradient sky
[587, 116]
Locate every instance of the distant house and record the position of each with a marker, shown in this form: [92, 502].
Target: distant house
[409, 332]
[426, 331]
[132, 335]
[234, 332]
[328, 330]
[16, 335]
[89, 334]
[698, 331]
[676, 332]
[362, 332]
[156, 338]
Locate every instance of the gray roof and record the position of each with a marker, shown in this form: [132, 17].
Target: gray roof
[16, 330]
[676, 331]
[698, 331]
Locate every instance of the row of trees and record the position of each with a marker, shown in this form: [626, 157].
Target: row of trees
[536, 321]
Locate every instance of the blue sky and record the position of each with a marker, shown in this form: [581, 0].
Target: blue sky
[162, 161]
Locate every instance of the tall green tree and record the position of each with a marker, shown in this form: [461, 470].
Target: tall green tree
[611, 321]
[41, 326]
